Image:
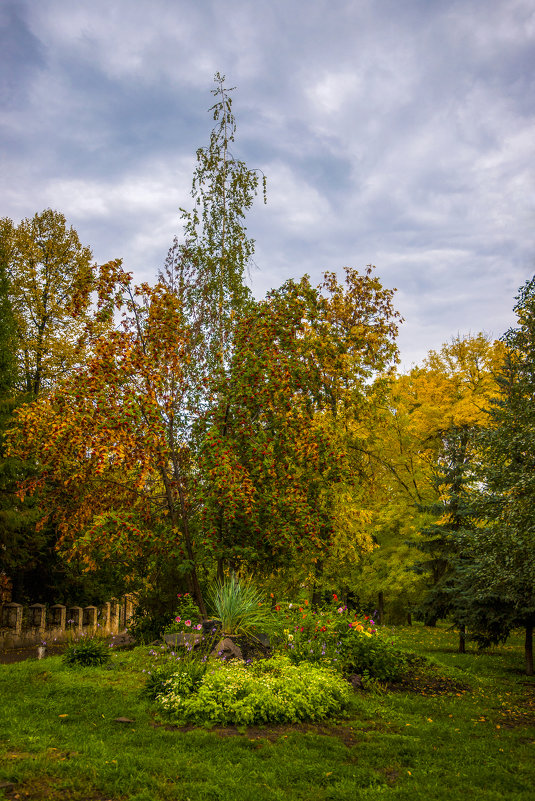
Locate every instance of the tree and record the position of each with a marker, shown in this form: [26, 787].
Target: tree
[503, 542]
[45, 282]
[424, 455]
[286, 481]
[117, 440]
[50, 278]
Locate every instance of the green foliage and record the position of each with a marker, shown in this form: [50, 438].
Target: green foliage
[336, 637]
[186, 616]
[50, 280]
[372, 657]
[269, 691]
[239, 607]
[87, 652]
[179, 673]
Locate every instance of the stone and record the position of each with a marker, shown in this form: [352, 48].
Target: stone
[356, 681]
[123, 720]
[227, 649]
[183, 638]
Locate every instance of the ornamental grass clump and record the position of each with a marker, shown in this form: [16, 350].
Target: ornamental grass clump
[240, 607]
[268, 691]
[87, 652]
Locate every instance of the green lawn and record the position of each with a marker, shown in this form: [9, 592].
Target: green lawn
[468, 727]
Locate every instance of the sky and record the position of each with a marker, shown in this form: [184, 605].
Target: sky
[398, 133]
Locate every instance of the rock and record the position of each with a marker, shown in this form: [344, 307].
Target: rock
[183, 638]
[123, 720]
[356, 681]
[227, 649]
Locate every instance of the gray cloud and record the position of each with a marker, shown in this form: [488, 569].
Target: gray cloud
[393, 134]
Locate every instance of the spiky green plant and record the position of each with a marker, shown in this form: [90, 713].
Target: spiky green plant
[240, 607]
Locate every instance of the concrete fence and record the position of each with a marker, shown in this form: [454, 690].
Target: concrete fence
[24, 627]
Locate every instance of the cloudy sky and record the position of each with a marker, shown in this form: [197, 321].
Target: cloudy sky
[399, 133]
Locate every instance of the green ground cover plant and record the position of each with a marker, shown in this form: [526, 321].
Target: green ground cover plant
[465, 725]
[268, 691]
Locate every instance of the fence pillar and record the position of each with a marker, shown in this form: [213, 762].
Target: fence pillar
[90, 617]
[58, 616]
[37, 616]
[128, 609]
[76, 618]
[12, 617]
[105, 617]
[114, 616]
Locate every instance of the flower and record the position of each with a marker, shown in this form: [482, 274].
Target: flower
[277, 608]
[290, 637]
[178, 619]
[335, 596]
[198, 626]
[187, 622]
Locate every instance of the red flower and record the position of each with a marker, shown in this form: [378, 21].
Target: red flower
[335, 597]
[277, 608]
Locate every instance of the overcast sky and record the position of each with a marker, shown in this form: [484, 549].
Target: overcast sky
[399, 133]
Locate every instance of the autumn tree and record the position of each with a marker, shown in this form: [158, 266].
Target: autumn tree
[425, 443]
[50, 277]
[284, 483]
[46, 278]
[144, 384]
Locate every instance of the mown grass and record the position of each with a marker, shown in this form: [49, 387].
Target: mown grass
[468, 726]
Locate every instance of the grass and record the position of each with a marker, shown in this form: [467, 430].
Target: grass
[469, 726]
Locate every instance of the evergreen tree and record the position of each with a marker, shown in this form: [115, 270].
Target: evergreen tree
[504, 544]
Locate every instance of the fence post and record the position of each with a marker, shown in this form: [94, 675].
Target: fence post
[58, 616]
[114, 616]
[38, 616]
[12, 617]
[76, 618]
[106, 610]
[90, 618]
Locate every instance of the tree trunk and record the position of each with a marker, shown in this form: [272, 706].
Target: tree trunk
[316, 592]
[462, 639]
[381, 609]
[409, 618]
[528, 649]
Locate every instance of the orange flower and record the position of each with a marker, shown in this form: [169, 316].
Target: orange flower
[306, 602]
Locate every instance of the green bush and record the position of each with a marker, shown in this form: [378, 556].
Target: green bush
[373, 657]
[186, 617]
[87, 652]
[268, 691]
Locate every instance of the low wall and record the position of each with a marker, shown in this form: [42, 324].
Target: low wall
[24, 627]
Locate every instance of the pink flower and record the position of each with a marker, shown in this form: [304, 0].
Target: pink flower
[187, 622]
[198, 626]
[178, 619]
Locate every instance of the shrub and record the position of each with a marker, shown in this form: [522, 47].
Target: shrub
[269, 691]
[373, 657]
[186, 617]
[185, 674]
[87, 652]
